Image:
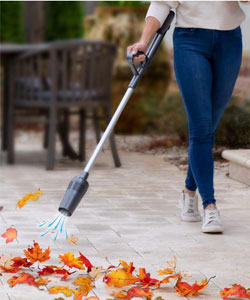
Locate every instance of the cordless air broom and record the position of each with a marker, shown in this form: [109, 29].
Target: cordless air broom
[79, 184]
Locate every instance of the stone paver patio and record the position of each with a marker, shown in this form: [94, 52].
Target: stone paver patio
[129, 213]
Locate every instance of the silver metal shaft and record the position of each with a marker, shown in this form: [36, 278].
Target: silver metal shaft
[109, 129]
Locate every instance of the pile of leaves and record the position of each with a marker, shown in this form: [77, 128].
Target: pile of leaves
[30, 269]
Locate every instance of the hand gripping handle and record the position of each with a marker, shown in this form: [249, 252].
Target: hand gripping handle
[130, 59]
[151, 50]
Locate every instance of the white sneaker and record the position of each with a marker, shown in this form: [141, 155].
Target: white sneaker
[189, 206]
[211, 221]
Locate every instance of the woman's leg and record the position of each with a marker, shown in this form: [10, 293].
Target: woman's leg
[226, 61]
[192, 60]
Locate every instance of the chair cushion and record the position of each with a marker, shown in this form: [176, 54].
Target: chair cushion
[31, 90]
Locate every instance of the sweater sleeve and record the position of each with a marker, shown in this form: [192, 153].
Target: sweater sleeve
[160, 9]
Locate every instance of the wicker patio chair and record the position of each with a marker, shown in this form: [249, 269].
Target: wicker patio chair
[65, 75]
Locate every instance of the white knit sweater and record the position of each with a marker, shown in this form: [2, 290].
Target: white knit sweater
[220, 15]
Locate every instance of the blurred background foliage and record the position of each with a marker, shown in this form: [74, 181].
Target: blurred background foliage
[122, 3]
[168, 117]
[11, 16]
[64, 20]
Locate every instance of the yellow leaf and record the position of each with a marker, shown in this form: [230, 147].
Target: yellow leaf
[71, 261]
[120, 278]
[62, 289]
[30, 196]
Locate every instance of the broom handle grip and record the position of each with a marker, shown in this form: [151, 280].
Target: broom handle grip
[154, 45]
[149, 53]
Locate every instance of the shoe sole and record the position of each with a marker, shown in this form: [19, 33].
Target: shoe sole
[191, 218]
[213, 229]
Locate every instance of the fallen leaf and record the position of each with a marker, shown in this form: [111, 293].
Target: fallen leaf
[79, 295]
[119, 278]
[92, 298]
[35, 253]
[145, 278]
[60, 298]
[170, 269]
[42, 281]
[73, 240]
[236, 290]
[85, 286]
[10, 235]
[62, 289]
[21, 262]
[166, 279]
[6, 264]
[30, 196]
[82, 280]
[23, 278]
[86, 262]
[71, 261]
[138, 292]
[185, 289]
[48, 270]
[95, 273]
[127, 267]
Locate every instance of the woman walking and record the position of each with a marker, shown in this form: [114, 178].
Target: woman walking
[207, 57]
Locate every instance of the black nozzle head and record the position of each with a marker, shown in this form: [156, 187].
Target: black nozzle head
[76, 190]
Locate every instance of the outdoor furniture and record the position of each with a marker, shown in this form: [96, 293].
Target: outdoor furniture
[61, 76]
[7, 52]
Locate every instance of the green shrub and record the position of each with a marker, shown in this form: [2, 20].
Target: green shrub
[65, 20]
[11, 22]
[234, 128]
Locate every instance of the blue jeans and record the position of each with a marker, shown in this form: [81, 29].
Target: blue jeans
[206, 64]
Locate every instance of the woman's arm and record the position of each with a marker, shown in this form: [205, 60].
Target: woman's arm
[149, 30]
[156, 15]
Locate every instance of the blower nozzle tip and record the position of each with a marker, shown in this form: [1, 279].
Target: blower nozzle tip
[76, 190]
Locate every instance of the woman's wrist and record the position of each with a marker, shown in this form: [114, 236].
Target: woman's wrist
[144, 42]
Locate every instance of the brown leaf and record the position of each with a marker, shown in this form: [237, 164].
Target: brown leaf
[95, 273]
[72, 240]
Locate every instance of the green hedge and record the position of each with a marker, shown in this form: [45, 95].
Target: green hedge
[65, 20]
[11, 22]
